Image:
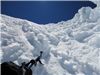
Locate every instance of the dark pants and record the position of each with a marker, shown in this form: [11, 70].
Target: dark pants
[31, 63]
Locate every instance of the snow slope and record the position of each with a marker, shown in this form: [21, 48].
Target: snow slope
[70, 48]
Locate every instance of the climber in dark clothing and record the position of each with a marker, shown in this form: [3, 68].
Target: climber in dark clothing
[39, 57]
[34, 62]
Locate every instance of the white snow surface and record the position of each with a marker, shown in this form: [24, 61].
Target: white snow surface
[70, 48]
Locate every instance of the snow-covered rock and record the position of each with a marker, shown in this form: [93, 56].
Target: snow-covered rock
[70, 48]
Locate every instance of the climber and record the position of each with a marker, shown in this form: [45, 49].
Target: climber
[34, 62]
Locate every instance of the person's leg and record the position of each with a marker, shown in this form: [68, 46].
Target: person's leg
[32, 62]
[27, 64]
[30, 65]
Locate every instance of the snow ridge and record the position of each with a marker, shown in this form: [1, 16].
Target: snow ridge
[70, 48]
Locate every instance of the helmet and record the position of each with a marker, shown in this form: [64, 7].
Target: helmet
[41, 51]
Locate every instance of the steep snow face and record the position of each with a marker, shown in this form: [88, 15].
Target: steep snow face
[70, 48]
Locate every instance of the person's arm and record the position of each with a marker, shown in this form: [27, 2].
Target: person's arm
[40, 62]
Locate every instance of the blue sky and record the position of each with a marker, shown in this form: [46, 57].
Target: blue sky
[43, 12]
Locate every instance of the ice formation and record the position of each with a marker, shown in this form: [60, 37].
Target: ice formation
[70, 48]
